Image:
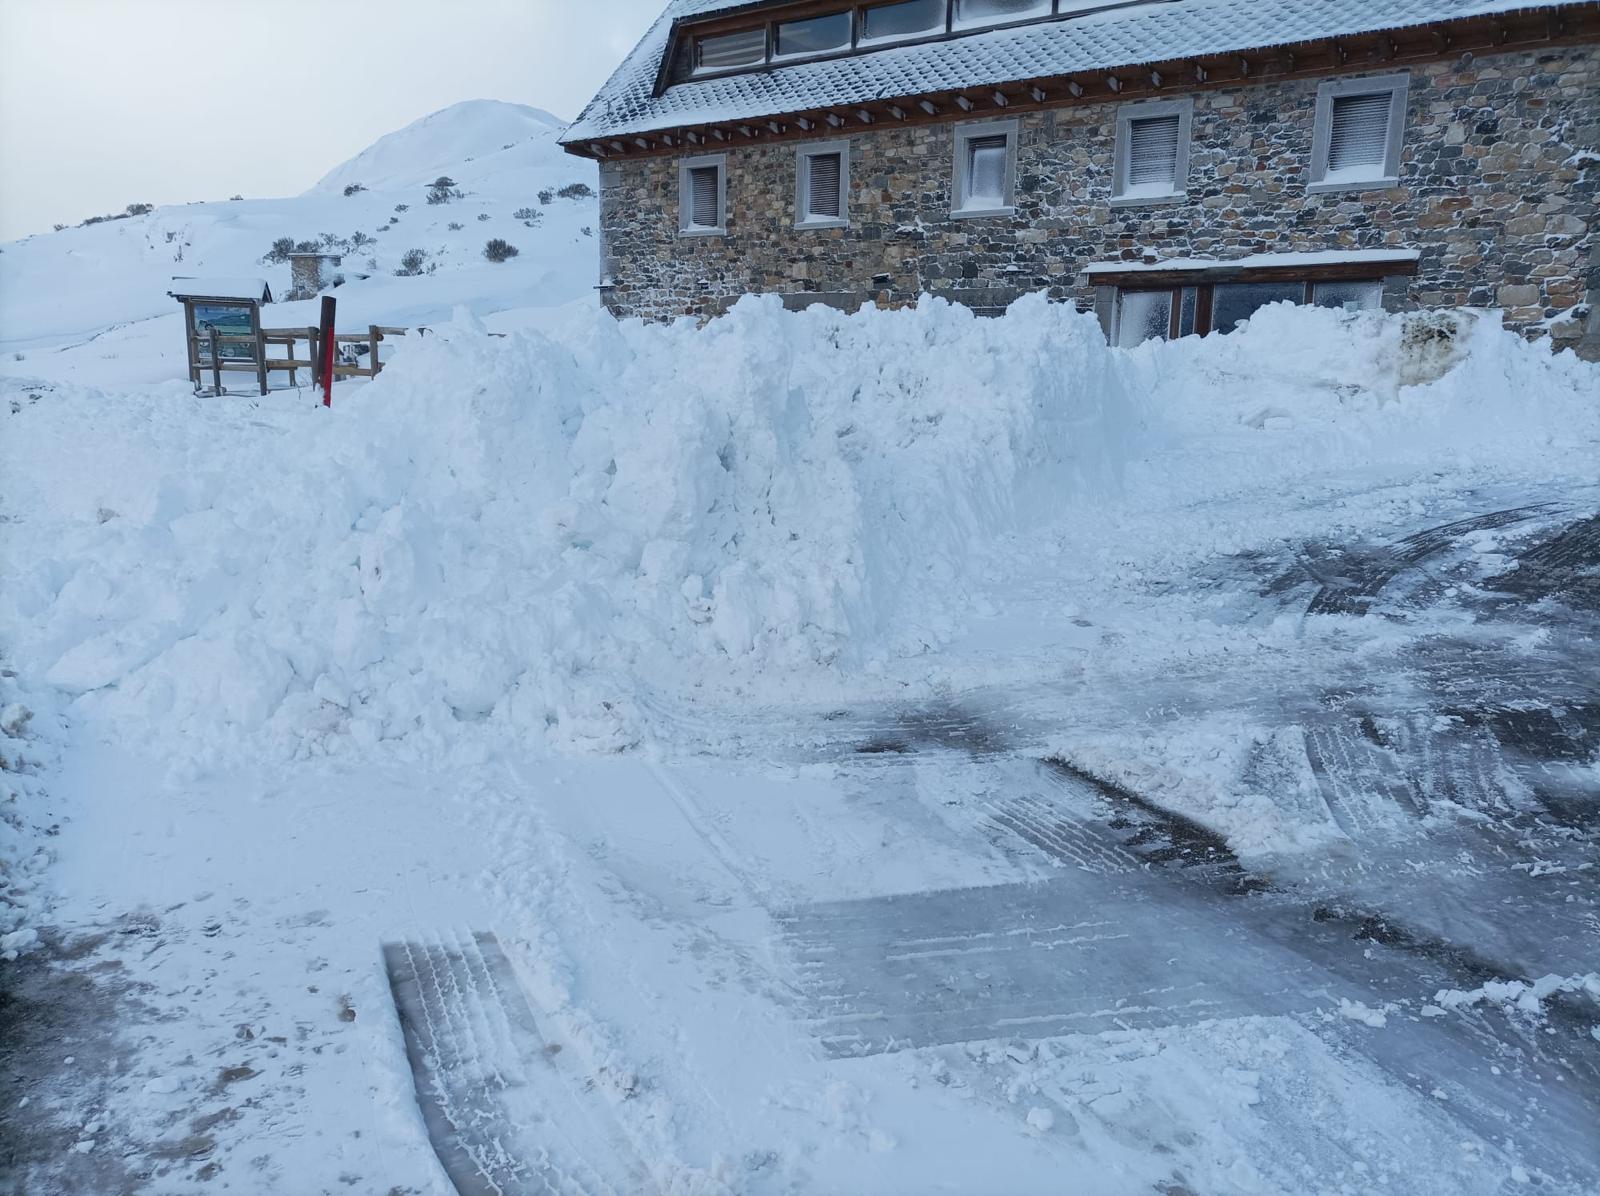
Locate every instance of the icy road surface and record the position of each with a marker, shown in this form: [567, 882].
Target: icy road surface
[964, 945]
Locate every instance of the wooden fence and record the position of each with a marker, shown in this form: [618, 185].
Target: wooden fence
[206, 354]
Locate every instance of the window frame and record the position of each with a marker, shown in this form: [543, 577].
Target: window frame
[1127, 114]
[686, 225]
[802, 184]
[776, 54]
[1398, 86]
[962, 134]
[696, 71]
[1204, 323]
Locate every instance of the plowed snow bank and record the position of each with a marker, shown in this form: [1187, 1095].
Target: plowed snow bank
[508, 529]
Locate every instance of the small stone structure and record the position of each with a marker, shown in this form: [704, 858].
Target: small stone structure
[312, 273]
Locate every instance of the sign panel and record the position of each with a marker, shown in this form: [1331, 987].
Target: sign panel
[228, 320]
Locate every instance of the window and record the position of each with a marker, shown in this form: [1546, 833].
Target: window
[894, 22]
[730, 51]
[972, 13]
[1348, 296]
[702, 195]
[1145, 306]
[1359, 133]
[822, 185]
[818, 35]
[985, 168]
[1236, 302]
[1152, 152]
[1148, 315]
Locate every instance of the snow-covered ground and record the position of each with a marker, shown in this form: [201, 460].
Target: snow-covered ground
[898, 752]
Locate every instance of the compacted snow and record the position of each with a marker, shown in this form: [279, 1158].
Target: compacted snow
[892, 752]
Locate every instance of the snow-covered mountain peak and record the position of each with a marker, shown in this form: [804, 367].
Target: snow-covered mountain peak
[467, 141]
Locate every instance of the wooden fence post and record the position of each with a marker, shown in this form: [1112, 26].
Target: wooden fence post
[261, 354]
[373, 336]
[330, 349]
[216, 364]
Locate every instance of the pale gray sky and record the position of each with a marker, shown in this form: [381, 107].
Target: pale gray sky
[104, 103]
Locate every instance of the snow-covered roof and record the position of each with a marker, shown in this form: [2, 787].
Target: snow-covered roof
[221, 288]
[1157, 31]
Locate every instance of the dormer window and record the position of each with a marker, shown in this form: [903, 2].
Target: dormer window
[970, 14]
[817, 35]
[896, 22]
[797, 32]
[730, 51]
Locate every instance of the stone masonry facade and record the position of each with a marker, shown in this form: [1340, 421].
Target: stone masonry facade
[1499, 189]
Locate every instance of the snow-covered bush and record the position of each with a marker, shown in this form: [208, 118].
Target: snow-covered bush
[412, 262]
[443, 190]
[498, 249]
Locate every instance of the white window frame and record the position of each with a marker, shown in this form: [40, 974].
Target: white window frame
[1398, 86]
[802, 184]
[965, 133]
[1128, 113]
[686, 198]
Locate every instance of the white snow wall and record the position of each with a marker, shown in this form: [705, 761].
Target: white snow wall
[523, 530]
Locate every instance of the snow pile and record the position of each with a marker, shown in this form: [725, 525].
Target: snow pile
[23, 859]
[519, 530]
[1300, 389]
[1523, 996]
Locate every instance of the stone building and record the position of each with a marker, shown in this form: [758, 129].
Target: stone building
[1169, 164]
[312, 273]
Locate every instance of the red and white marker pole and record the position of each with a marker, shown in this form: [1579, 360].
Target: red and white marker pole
[329, 349]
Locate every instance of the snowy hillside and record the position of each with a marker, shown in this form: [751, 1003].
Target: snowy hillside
[108, 282]
[476, 142]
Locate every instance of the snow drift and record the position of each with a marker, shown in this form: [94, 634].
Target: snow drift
[524, 531]
[511, 529]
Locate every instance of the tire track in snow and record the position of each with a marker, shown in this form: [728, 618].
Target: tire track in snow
[506, 1112]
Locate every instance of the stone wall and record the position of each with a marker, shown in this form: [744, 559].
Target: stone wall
[1495, 190]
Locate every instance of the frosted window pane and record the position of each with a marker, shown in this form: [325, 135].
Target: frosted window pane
[993, 12]
[1153, 153]
[818, 35]
[986, 172]
[1236, 302]
[1146, 315]
[729, 50]
[1349, 296]
[1358, 136]
[703, 197]
[890, 22]
[822, 186]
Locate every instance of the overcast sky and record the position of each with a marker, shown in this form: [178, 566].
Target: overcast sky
[104, 103]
